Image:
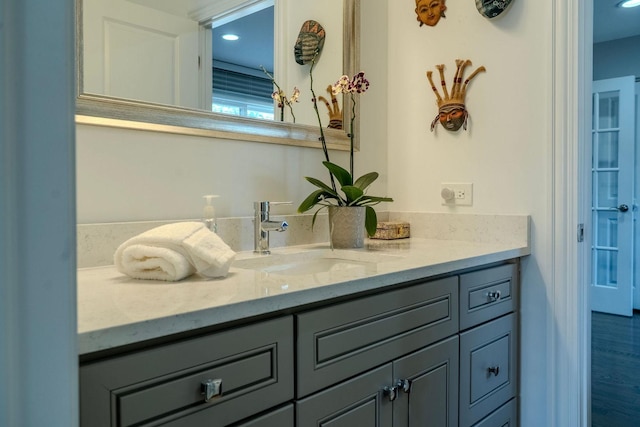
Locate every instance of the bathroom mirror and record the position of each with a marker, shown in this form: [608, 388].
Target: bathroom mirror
[100, 109]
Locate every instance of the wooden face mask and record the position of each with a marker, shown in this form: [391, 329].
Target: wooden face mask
[309, 43]
[429, 12]
[452, 113]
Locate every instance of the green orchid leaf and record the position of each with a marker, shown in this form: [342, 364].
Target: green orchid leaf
[353, 193]
[311, 200]
[313, 220]
[374, 200]
[341, 174]
[320, 184]
[370, 221]
[365, 180]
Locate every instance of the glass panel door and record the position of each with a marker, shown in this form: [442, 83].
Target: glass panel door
[612, 198]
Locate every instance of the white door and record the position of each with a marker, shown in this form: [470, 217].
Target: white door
[142, 53]
[636, 231]
[612, 199]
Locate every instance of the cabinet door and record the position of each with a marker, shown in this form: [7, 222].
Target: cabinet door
[356, 402]
[432, 396]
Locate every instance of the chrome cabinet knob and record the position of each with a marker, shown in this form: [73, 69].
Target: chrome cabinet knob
[494, 295]
[390, 393]
[211, 389]
[404, 385]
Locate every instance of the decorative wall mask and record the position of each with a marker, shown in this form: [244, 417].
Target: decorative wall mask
[335, 113]
[492, 8]
[452, 113]
[429, 12]
[309, 43]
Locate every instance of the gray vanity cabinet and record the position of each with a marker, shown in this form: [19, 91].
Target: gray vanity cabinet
[438, 352]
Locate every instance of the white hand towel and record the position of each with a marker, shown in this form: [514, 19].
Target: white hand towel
[143, 261]
[174, 251]
[210, 255]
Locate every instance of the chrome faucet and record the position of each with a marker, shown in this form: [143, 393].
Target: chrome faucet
[263, 225]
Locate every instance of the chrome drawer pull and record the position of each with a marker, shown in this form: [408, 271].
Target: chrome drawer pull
[495, 370]
[404, 385]
[390, 392]
[211, 389]
[494, 295]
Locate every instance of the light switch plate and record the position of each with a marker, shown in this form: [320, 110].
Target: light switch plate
[462, 193]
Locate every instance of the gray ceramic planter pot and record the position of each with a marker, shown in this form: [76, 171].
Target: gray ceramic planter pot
[346, 226]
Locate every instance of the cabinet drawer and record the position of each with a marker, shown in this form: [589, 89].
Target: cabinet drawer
[162, 386]
[487, 294]
[343, 340]
[505, 416]
[488, 368]
[283, 417]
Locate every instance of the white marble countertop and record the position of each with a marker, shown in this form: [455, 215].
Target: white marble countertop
[115, 310]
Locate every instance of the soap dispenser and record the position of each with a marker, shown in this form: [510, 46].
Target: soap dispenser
[209, 213]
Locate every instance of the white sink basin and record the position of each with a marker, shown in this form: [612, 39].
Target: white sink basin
[314, 261]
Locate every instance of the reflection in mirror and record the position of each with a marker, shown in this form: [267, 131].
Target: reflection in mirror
[142, 67]
[240, 47]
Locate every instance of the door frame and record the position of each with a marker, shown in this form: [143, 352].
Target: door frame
[569, 317]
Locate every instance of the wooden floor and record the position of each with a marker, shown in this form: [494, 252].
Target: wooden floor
[615, 370]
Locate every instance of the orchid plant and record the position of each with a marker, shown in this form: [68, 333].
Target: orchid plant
[280, 97]
[351, 193]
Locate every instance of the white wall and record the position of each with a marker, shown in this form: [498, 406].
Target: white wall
[616, 58]
[505, 150]
[134, 175]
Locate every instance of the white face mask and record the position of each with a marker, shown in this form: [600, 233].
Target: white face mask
[492, 8]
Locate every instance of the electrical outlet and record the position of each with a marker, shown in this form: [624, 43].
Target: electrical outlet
[456, 194]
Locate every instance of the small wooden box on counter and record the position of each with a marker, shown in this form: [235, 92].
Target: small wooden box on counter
[392, 230]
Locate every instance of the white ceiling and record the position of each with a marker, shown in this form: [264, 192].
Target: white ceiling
[255, 46]
[611, 22]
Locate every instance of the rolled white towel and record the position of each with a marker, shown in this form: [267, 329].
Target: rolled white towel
[174, 251]
[143, 261]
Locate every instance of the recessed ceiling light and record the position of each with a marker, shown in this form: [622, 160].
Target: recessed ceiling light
[629, 3]
[230, 37]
